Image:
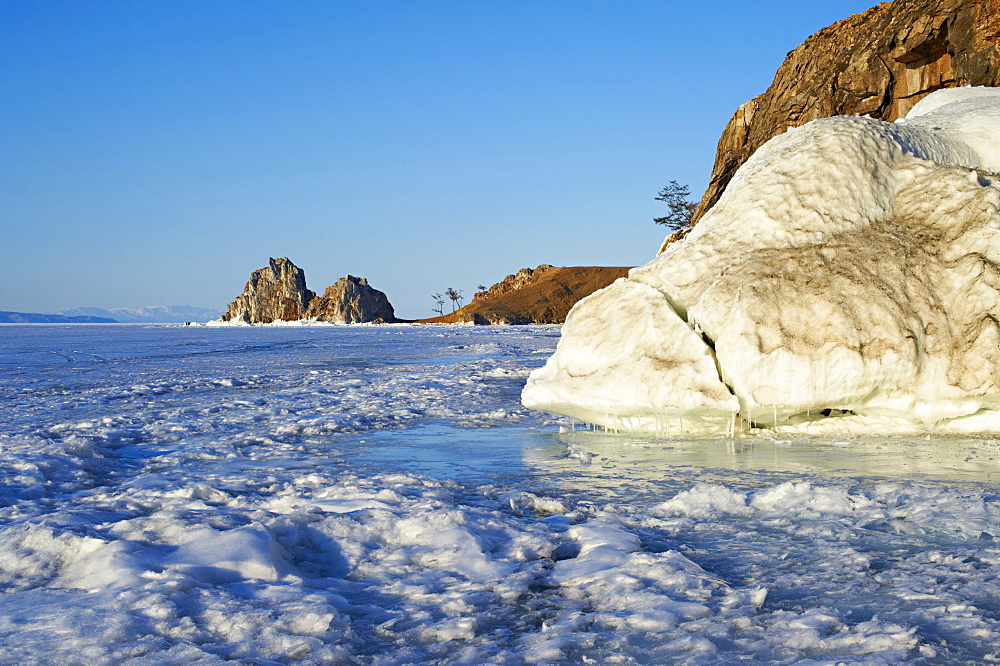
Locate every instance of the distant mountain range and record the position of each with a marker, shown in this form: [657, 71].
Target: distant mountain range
[158, 314]
[35, 318]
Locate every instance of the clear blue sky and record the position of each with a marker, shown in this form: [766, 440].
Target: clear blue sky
[154, 153]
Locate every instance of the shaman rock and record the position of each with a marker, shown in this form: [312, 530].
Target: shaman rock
[276, 292]
[351, 300]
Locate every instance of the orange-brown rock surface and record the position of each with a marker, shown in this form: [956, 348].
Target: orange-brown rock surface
[542, 295]
[880, 62]
[276, 292]
[512, 282]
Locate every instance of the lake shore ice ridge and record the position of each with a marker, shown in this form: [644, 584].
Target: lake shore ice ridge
[848, 280]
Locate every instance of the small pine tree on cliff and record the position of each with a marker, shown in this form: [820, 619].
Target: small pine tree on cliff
[456, 297]
[681, 208]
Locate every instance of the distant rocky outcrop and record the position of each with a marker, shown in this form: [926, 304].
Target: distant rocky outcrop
[275, 293]
[880, 63]
[278, 292]
[351, 300]
[543, 295]
[35, 318]
[512, 282]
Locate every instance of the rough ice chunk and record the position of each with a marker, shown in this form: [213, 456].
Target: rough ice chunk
[215, 557]
[851, 270]
[628, 361]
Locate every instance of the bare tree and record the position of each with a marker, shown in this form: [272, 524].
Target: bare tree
[439, 299]
[456, 297]
[681, 208]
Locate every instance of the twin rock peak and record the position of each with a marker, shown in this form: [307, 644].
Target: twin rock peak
[278, 292]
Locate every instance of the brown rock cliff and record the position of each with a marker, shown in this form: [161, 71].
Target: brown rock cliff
[880, 62]
[543, 295]
[512, 282]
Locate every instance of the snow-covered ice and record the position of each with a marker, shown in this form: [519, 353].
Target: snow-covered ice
[377, 495]
[848, 280]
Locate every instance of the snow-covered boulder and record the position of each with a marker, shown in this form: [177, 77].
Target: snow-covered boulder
[848, 279]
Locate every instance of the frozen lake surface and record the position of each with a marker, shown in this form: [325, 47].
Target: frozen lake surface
[377, 495]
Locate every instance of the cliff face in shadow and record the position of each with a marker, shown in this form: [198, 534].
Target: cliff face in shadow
[351, 300]
[880, 63]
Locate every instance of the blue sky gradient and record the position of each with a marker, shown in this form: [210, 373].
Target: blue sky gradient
[156, 152]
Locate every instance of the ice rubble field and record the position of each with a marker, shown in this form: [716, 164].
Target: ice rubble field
[378, 495]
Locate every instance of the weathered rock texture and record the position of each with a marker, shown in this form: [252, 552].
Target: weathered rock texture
[880, 62]
[275, 293]
[278, 293]
[351, 300]
[520, 279]
[543, 295]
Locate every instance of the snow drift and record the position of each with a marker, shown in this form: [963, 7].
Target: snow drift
[848, 279]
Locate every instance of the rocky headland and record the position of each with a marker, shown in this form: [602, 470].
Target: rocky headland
[542, 295]
[879, 63]
[512, 282]
[278, 292]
